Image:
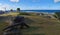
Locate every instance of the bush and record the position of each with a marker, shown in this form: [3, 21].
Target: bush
[57, 15]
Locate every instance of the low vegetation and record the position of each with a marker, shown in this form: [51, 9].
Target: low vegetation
[57, 15]
[23, 13]
[38, 26]
[28, 14]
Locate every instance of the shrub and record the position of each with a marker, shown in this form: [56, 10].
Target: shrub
[57, 15]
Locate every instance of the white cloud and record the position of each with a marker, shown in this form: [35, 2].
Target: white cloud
[14, 0]
[56, 1]
[3, 6]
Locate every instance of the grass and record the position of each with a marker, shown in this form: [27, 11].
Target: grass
[31, 29]
[36, 34]
[2, 26]
[38, 26]
[11, 13]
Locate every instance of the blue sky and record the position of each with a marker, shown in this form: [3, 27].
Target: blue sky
[30, 4]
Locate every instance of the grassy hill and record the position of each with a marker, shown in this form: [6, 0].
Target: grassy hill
[38, 26]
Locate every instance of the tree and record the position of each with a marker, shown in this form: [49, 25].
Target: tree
[11, 10]
[18, 9]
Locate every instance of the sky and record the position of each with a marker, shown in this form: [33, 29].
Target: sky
[30, 4]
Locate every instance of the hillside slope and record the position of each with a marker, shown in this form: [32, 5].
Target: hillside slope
[44, 26]
[38, 26]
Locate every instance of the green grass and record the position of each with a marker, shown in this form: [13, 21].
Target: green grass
[2, 26]
[31, 29]
[38, 26]
[36, 34]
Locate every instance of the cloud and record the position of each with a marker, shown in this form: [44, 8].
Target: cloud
[3, 6]
[14, 0]
[56, 1]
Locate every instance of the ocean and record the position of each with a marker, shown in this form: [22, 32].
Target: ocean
[43, 11]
